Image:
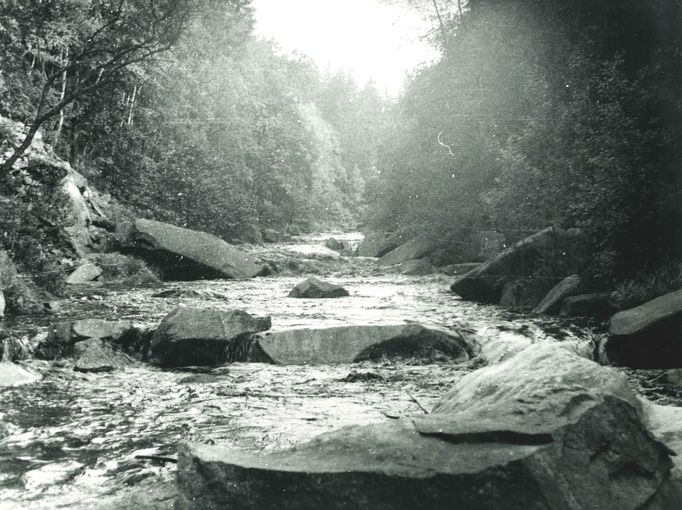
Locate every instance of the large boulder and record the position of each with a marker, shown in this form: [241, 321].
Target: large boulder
[349, 344]
[377, 244]
[648, 336]
[97, 355]
[314, 288]
[486, 282]
[184, 254]
[551, 303]
[202, 336]
[542, 430]
[416, 248]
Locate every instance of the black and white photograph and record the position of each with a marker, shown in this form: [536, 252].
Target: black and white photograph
[341, 254]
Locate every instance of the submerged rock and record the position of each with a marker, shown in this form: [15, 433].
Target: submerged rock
[349, 344]
[314, 288]
[12, 374]
[544, 430]
[648, 336]
[184, 254]
[202, 336]
[96, 355]
[551, 303]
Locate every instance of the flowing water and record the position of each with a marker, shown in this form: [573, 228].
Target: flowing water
[108, 440]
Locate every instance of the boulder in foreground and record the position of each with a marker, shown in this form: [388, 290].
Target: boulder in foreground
[202, 336]
[314, 288]
[349, 344]
[648, 336]
[542, 430]
[184, 254]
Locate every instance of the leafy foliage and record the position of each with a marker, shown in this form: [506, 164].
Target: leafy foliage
[548, 113]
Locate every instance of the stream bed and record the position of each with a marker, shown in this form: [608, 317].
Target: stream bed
[108, 440]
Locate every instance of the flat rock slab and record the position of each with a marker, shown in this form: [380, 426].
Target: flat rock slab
[488, 446]
[648, 336]
[312, 288]
[202, 336]
[204, 255]
[96, 355]
[12, 374]
[84, 274]
[349, 344]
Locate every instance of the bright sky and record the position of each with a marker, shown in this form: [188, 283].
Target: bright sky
[366, 37]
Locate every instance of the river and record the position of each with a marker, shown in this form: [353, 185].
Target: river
[107, 440]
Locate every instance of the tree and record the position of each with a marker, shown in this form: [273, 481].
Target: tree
[70, 48]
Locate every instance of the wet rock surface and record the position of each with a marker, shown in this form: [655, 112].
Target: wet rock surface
[567, 435]
[350, 344]
[313, 288]
[201, 336]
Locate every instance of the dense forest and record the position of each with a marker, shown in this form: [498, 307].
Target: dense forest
[537, 114]
[548, 113]
[201, 124]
